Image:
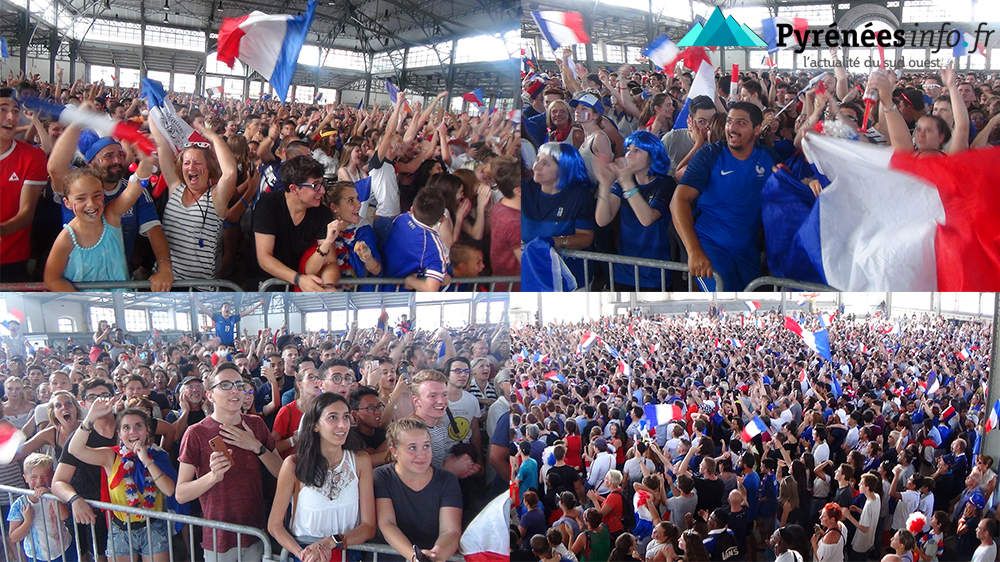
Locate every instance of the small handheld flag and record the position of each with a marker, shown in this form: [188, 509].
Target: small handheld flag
[993, 420]
[475, 96]
[755, 427]
[659, 414]
[11, 439]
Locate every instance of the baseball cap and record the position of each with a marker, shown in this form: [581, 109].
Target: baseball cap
[588, 100]
[978, 499]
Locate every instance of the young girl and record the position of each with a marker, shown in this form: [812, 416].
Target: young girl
[350, 249]
[90, 247]
[138, 475]
[41, 523]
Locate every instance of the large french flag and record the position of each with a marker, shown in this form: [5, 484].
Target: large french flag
[561, 29]
[755, 427]
[268, 44]
[933, 383]
[659, 414]
[101, 123]
[939, 234]
[703, 85]
[769, 31]
[161, 112]
[661, 51]
[818, 341]
[993, 420]
[487, 538]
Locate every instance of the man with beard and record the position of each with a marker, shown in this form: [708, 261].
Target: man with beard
[106, 157]
[717, 206]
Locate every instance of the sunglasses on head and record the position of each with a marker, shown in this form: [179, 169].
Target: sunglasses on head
[197, 144]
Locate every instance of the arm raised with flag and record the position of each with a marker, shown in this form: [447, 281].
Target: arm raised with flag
[899, 133]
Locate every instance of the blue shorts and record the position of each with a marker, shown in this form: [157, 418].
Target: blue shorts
[68, 556]
[122, 542]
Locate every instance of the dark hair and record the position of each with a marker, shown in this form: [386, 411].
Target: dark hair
[224, 366]
[942, 127]
[299, 169]
[428, 206]
[756, 115]
[694, 549]
[94, 383]
[753, 87]
[701, 102]
[310, 464]
[507, 173]
[337, 362]
[134, 412]
[354, 401]
[8, 93]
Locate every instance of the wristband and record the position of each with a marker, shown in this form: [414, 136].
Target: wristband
[630, 192]
[295, 281]
[246, 203]
[72, 499]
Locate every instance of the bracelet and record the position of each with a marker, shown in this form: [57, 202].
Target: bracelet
[72, 499]
[295, 281]
[87, 426]
[321, 252]
[628, 194]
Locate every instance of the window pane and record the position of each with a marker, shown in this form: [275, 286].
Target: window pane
[161, 320]
[184, 83]
[98, 313]
[183, 321]
[162, 77]
[128, 77]
[135, 320]
[65, 324]
[212, 66]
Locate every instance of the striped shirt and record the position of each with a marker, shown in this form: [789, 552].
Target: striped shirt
[193, 234]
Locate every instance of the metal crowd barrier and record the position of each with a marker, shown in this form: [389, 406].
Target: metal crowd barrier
[397, 284]
[374, 548]
[779, 283]
[113, 529]
[636, 263]
[188, 284]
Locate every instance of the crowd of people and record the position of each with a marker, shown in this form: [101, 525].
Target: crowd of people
[612, 166]
[723, 436]
[311, 194]
[321, 440]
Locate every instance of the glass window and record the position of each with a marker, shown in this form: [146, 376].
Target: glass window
[136, 320]
[159, 76]
[482, 48]
[183, 321]
[128, 77]
[316, 321]
[614, 54]
[383, 63]
[340, 58]
[171, 38]
[633, 54]
[213, 66]
[304, 94]
[935, 10]
[212, 82]
[107, 31]
[98, 313]
[161, 320]
[184, 84]
[329, 95]
[234, 87]
[105, 73]
[816, 15]
[65, 324]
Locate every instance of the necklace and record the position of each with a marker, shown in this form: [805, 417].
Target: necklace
[146, 497]
[338, 478]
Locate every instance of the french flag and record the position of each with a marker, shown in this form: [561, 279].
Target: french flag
[442, 350]
[703, 85]
[964, 354]
[162, 114]
[661, 51]
[611, 351]
[475, 96]
[4, 52]
[101, 123]
[487, 538]
[804, 381]
[555, 375]
[769, 31]
[523, 356]
[587, 340]
[735, 342]
[890, 329]
[933, 383]
[752, 306]
[561, 29]
[948, 414]
[818, 341]
[826, 320]
[659, 414]
[993, 421]
[623, 368]
[940, 233]
[755, 427]
[268, 44]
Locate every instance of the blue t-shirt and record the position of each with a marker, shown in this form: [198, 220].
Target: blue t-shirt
[413, 247]
[545, 215]
[225, 327]
[727, 211]
[751, 483]
[651, 241]
[49, 538]
[366, 234]
[139, 219]
[527, 475]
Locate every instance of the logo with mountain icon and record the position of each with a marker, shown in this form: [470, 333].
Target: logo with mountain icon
[721, 31]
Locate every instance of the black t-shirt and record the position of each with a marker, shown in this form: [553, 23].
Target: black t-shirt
[271, 216]
[567, 478]
[357, 439]
[417, 511]
[710, 493]
[87, 478]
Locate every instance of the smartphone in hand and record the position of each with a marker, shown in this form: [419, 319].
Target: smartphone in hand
[219, 446]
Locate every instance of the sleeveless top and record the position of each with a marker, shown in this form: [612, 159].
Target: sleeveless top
[333, 508]
[832, 552]
[193, 234]
[587, 153]
[104, 261]
[123, 488]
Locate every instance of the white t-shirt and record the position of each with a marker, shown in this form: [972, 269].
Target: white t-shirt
[385, 188]
[821, 453]
[789, 556]
[463, 411]
[985, 553]
[864, 541]
[908, 501]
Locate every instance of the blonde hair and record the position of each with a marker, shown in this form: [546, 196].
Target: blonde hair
[426, 375]
[51, 409]
[38, 460]
[394, 432]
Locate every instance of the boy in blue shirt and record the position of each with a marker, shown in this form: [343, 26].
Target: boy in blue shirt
[413, 248]
[717, 206]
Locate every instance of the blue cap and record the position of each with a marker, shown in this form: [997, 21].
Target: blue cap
[978, 499]
[90, 144]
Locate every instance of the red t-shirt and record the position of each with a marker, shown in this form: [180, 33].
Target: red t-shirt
[505, 237]
[22, 165]
[286, 423]
[574, 451]
[614, 517]
[239, 497]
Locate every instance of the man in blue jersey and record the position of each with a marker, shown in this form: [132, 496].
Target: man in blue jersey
[716, 208]
[413, 249]
[225, 321]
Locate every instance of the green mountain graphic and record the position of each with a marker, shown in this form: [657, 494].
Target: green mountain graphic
[721, 31]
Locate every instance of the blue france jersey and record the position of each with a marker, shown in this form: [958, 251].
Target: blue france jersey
[225, 328]
[413, 247]
[139, 219]
[545, 215]
[728, 209]
[651, 241]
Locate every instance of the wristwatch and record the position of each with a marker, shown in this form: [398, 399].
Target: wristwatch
[263, 449]
[338, 539]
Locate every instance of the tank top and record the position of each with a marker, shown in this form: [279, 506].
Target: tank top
[104, 261]
[832, 552]
[193, 234]
[331, 509]
[587, 153]
[120, 492]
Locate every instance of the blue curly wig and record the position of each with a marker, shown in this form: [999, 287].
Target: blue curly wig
[659, 162]
[572, 169]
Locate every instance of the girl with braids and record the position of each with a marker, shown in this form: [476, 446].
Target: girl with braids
[329, 487]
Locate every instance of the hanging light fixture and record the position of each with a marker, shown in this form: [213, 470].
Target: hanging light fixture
[220, 5]
[166, 5]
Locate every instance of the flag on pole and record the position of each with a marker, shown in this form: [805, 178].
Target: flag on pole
[818, 341]
[623, 368]
[993, 421]
[475, 96]
[561, 29]
[268, 44]
[659, 414]
[661, 51]
[587, 340]
[162, 114]
[487, 538]
[752, 306]
[4, 52]
[101, 123]
[755, 427]
[611, 351]
[933, 383]
[835, 385]
[703, 85]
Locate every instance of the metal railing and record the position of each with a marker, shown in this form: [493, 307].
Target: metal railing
[374, 548]
[636, 263]
[779, 283]
[397, 284]
[188, 284]
[113, 528]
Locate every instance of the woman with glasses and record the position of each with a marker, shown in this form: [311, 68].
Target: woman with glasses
[328, 486]
[201, 181]
[308, 385]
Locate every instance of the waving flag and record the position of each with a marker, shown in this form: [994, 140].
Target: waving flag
[611, 351]
[993, 421]
[162, 114]
[703, 85]
[769, 31]
[755, 427]
[4, 52]
[948, 414]
[752, 306]
[659, 414]
[543, 269]
[940, 233]
[835, 388]
[442, 350]
[268, 44]
[475, 96]
[587, 340]
[487, 538]
[804, 381]
[661, 51]
[964, 354]
[556, 376]
[623, 368]
[933, 383]
[101, 123]
[11, 439]
[818, 341]
[561, 29]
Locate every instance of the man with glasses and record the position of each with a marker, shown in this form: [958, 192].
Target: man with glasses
[287, 223]
[75, 480]
[232, 496]
[368, 431]
[716, 208]
[679, 142]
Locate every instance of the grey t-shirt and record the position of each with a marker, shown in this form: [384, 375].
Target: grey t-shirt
[678, 506]
[678, 143]
[416, 510]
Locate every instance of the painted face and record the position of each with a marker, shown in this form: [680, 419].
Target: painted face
[85, 197]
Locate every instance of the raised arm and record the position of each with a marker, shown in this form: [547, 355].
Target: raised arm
[168, 166]
[960, 135]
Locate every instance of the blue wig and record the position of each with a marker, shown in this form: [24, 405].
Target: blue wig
[572, 169]
[659, 162]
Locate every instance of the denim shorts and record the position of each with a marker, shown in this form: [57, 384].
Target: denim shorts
[122, 542]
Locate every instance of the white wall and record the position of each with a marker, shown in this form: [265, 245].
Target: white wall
[41, 66]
